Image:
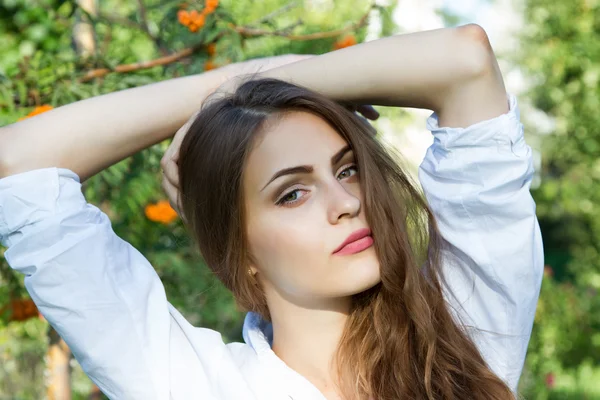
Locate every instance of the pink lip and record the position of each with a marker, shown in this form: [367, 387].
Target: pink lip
[356, 242]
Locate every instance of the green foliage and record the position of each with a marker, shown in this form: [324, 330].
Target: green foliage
[561, 53]
[23, 345]
[40, 66]
[562, 358]
[561, 49]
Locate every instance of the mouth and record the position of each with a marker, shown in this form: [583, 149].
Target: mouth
[358, 241]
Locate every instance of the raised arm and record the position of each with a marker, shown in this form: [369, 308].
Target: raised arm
[90, 135]
[452, 71]
[446, 70]
[476, 175]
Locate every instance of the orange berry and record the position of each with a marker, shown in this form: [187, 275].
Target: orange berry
[41, 109]
[161, 212]
[210, 6]
[193, 27]
[199, 20]
[348, 41]
[210, 64]
[211, 49]
[193, 14]
[183, 17]
[37, 110]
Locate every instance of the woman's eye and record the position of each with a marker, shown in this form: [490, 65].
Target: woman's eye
[346, 173]
[290, 198]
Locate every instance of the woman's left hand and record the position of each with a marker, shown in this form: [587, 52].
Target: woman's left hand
[366, 110]
[170, 182]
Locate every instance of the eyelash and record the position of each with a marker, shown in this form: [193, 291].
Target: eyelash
[281, 202]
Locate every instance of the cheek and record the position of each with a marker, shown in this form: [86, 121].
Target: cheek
[289, 251]
[355, 189]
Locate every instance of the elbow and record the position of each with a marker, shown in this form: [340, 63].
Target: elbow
[6, 153]
[479, 56]
[476, 34]
[4, 149]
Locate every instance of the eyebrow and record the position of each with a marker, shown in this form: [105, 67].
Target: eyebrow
[307, 169]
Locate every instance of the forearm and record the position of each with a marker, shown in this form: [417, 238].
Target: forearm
[92, 134]
[410, 70]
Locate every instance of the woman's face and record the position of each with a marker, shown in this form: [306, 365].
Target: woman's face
[297, 220]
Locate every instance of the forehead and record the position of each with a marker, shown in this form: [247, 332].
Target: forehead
[298, 138]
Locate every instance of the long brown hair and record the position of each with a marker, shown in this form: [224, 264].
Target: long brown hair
[400, 340]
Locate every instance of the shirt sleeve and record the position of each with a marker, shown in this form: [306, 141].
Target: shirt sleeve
[100, 294]
[476, 181]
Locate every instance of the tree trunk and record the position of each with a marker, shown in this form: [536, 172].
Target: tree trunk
[84, 37]
[58, 368]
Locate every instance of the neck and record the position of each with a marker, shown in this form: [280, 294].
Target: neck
[306, 339]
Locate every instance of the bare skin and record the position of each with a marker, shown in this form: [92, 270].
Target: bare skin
[307, 287]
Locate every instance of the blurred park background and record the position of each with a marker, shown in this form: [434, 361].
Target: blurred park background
[54, 52]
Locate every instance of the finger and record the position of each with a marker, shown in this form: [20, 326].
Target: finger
[166, 159]
[352, 107]
[172, 153]
[171, 174]
[368, 112]
[173, 150]
[172, 194]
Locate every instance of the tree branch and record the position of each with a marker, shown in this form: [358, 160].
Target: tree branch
[245, 31]
[97, 73]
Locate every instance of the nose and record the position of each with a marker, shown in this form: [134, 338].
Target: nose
[341, 202]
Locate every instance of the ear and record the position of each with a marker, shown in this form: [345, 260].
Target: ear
[252, 272]
[251, 268]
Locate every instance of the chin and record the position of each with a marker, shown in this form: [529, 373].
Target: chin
[368, 284]
[363, 275]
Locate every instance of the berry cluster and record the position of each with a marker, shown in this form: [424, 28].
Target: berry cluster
[161, 212]
[195, 20]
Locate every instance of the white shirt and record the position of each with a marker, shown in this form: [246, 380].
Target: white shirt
[109, 305]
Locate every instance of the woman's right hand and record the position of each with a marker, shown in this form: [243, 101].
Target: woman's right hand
[170, 181]
[168, 164]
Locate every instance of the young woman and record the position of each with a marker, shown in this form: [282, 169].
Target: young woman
[357, 286]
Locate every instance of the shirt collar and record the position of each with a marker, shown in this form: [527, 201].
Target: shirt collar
[257, 332]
